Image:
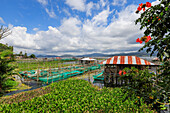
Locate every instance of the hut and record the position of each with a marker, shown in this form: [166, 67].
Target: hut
[116, 63]
[87, 60]
[57, 58]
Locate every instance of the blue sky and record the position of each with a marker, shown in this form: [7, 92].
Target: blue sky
[74, 27]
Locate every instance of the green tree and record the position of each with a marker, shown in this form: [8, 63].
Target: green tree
[6, 68]
[32, 56]
[156, 22]
[20, 54]
[25, 55]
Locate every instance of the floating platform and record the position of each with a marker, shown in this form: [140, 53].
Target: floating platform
[99, 76]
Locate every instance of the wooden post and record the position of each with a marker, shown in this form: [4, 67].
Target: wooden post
[47, 76]
[110, 78]
[37, 75]
[50, 73]
[116, 75]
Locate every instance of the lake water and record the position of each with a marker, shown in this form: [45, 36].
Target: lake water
[34, 85]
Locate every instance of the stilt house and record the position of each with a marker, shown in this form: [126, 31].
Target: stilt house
[114, 64]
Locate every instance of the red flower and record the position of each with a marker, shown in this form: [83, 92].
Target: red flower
[148, 20]
[120, 72]
[139, 8]
[148, 4]
[138, 40]
[159, 19]
[148, 38]
[143, 9]
[141, 4]
[124, 72]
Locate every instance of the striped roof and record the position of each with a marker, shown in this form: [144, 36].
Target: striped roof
[131, 60]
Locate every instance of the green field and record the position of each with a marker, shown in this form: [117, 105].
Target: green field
[73, 96]
[33, 65]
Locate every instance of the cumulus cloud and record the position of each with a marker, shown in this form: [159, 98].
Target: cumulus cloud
[75, 36]
[43, 2]
[101, 18]
[76, 4]
[119, 2]
[2, 21]
[21, 38]
[71, 27]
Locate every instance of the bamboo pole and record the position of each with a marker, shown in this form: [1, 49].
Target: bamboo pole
[47, 77]
[51, 74]
[38, 74]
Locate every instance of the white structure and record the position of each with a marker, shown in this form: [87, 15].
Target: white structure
[87, 60]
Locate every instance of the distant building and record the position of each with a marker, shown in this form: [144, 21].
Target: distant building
[87, 60]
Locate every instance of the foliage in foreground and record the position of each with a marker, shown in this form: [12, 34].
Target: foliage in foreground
[155, 22]
[6, 70]
[78, 96]
[144, 84]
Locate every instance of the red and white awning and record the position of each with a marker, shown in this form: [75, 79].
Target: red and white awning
[131, 60]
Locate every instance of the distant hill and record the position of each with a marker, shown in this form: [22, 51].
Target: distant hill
[50, 56]
[67, 55]
[139, 54]
[93, 55]
[46, 56]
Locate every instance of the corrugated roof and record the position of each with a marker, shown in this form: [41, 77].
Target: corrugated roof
[88, 58]
[131, 60]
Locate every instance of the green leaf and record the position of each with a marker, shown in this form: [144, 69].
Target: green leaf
[166, 54]
[166, 9]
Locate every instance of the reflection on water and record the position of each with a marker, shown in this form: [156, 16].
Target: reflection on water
[94, 82]
[36, 85]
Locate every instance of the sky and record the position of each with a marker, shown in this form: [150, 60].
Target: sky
[76, 27]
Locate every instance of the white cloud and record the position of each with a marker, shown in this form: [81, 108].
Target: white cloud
[35, 29]
[21, 38]
[43, 2]
[155, 2]
[101, 18]
[71, 27]
[50, 13]
[67, 12]
[2, 21]
[103, 3]
[76, 4]
[119, 2]
[82, 37]
[89, 8]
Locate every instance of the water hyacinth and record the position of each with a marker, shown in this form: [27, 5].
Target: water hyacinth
[77, 96]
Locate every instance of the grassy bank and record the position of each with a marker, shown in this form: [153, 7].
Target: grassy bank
[72, 96]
